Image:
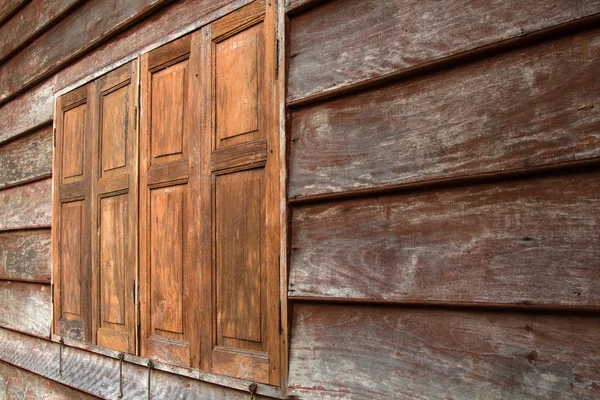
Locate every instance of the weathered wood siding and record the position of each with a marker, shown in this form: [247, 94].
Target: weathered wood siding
[444, 186]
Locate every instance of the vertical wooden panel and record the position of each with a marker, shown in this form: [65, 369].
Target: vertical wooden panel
[114, 127]
[71, 257]
[74, 142]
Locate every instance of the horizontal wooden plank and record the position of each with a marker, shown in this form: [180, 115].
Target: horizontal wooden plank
[515, 242]
[333, 45]
[360, 352]
[99, 375]
[25, 255]
[84, 28]
[35, 16]
[26, 159]
[292, 6]
[16, 383]
[8, 7]
[26, 307]
[26, 206]
[529, 107]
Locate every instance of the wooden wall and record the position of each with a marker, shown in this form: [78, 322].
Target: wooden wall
[46, 46]
[444, 186]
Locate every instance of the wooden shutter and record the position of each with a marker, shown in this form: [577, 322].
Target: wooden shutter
[240, 192]
[71, 215]
[169, 203]
[114, 209]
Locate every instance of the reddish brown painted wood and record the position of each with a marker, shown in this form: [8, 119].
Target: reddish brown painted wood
[99, 375]
[85, 28]
[34, 18]
[8, 7]
[353, 352]
[25, 255]
[515, 242]
[27, 205]
[26, 159]
[16, 383]
[26, 307]
[342, 43]
[529, 107]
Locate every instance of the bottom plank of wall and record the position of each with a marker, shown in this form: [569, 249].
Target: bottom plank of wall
[353, 351]
[18, 384]
[99, 375]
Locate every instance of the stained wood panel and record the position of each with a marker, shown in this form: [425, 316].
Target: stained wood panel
[529, 107]
[26, 206]
[26, 307]
[169, 275]
[26, 159]
[25, 255]
[8, 7]
[344, 43]
[409, 353]
[514, 242]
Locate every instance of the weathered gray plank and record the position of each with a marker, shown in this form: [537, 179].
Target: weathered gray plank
[26, 307]
[27, 158]
[299, 5]
[18, 384]
[86, 27]
[514, 242]
[99, 375]
[529, 107]
[25, 255]
[28, 22]
[342, 43]
[359, 352]
[26, 206]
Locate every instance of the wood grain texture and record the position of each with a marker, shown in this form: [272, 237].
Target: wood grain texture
[342, 43]
[27, 205]
[8, 7]
[533, 106]
[99, 375]
[361, 352]
[30, 21]
[25, 255]
[26, 307]
[78, 32]
[27, 158]
[513, 242]
[18, 384]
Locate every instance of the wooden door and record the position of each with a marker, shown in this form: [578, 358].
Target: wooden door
[240, 194]
[71, 215]
[169, 203]
[114, 208]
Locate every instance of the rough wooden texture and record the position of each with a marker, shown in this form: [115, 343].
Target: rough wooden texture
[99, 375]
[529, 107]
[7, 7]
[342, 43]
[514, 242]
[18, 384]
[26, 307]
[26, 206]
[360, 352]
[298, 5]
[27, 158]
[25, 255]
[29, 22]
[81, 30]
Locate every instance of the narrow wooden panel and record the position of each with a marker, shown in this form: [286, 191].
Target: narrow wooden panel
[237, 83]
[114, 183]
[27, 158]
[166, 265]
[381, 353]
[71, 260]
[168, 103]
[73, 143]
[25, 255]
[86, 27]
[515, 242]
[240, 220]
[243, 365]
[27, 205]
[241, 156]
[99, 375]
[27, 24]
[176, 171]
[26, 307]
[114, 129]
[16, 383]
[343, 43]
[529, 107]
